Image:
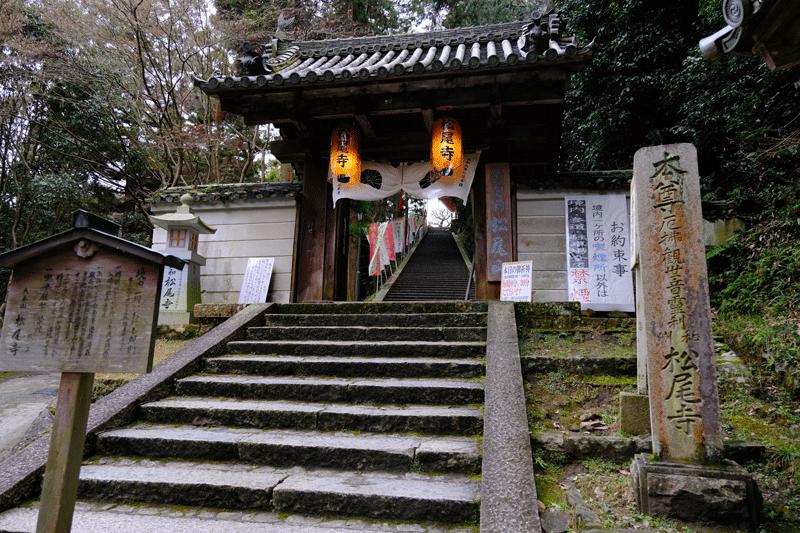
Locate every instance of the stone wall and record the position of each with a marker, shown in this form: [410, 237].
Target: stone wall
[252, 220]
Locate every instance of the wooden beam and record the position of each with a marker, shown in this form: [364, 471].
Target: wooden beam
[524, 143]
[60, 486]
[478, 194]
[361, 112]
[266, 108]
[366, 125]
[311, 246]
[427, 105]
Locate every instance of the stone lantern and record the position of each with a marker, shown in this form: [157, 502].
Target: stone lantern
[181, 288]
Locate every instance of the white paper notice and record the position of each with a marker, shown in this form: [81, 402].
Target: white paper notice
[256, 280]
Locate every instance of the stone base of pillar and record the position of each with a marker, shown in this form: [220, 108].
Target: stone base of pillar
[634, 413]
[719, 494]
[173, 318]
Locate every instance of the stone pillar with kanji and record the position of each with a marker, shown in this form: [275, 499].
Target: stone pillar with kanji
[181, 288]
[688, 472]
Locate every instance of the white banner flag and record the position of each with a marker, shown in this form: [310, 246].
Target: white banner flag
[382, 250]
[397, 226]
[598, 267]
[381, 180]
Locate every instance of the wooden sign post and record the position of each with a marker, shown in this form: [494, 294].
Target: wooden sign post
[80, 302]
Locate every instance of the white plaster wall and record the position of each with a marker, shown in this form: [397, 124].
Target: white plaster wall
[542, 238]
[245, 228]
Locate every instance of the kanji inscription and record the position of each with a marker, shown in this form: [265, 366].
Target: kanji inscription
[681, 373]
[68, 314]
[498, 214]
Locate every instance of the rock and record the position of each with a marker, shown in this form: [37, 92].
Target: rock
[744, 452]
[555, 522]
[688, 497]
[731, 368]
[613, 448]
[643, 444]
[593, 425]
[552, 441]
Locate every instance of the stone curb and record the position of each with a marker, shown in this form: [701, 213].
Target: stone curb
[577, 364]
[21, 473]
[577, 446]
[508, 492]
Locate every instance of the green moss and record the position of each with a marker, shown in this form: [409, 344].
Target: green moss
[548, 490]
[622, 381]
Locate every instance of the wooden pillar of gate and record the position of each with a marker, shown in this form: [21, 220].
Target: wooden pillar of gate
[321, 254]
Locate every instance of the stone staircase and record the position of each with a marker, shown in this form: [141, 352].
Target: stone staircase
[368, 413]
[435, 271]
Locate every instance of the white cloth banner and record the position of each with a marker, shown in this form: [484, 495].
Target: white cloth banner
[382, 250]
[598, 236]
[381, 180]
[397, 227]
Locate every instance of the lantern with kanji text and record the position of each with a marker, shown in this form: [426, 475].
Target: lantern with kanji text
[447, 150]
[345, 164]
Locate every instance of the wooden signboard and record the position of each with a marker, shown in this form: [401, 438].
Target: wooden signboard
[499, 240]
[66, 313]
[80, 302]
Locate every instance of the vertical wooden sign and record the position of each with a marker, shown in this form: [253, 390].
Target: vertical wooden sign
[257, 276]
[499, 239]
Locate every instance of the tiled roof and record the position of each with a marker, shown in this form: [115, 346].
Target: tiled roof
[513, 44]
[228, 192]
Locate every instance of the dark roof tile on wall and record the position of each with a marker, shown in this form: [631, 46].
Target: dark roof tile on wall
[227, 192]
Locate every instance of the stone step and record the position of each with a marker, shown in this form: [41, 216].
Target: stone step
[361, 348]
[360, 308]
[354, 390]
[289, 365]
[286, 448]
[408, 320]
[92, 517]
[443, 420]
[365, 333]
[450, 498]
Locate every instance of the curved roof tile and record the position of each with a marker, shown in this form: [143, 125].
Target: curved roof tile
[364, 58]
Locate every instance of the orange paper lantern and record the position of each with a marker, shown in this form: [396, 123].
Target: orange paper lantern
[447, 149]
[345, 164]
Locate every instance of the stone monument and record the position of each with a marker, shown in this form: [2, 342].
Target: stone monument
[181, 288]
[634, 407]
[687, 477]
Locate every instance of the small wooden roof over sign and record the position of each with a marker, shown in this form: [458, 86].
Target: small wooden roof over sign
[503, 82]
[76, 235]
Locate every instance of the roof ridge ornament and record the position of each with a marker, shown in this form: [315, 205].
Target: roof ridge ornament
[544, 36]
[757, 27]
[283, 25]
